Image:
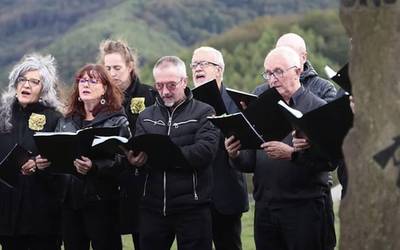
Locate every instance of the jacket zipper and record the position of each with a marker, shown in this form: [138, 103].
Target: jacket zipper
[145, 185]
[196, 197]
[177, 124]
[170, 115]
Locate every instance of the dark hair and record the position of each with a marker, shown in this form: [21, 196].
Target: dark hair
[112, 96]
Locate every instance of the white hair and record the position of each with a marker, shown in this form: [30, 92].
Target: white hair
[171, 60]
[218, 55]
[48, 95]
[288, 54]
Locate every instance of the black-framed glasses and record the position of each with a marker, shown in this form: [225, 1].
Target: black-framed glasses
[92, 81]
[202, 64]
[31, 81]
[277, 73]
[171, 86]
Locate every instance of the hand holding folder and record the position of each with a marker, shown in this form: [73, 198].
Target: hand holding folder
[10, 166]
[62, 148]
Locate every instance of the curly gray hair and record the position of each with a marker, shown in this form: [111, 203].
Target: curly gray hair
[48, 96]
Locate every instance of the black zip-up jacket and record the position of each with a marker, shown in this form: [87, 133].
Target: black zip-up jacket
[30, 208]
[101, 182]
[279, 183]
[175, 189]
[137, 97]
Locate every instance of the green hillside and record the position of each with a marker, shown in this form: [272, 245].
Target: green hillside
[245, 47]
[72, 29]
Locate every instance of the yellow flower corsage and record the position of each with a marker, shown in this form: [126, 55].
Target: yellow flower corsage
[137, 105]
[37, 121]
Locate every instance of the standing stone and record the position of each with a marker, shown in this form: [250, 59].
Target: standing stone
[370, 213]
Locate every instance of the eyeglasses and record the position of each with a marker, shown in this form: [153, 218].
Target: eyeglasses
[31, 81]
[88, 80]
[171, 86]
[278, 73]
[202, 64]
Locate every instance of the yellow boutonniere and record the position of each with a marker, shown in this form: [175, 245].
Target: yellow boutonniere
[137, 105]
[37, 121]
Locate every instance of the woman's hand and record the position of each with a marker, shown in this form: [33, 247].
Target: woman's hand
[29, 167]
[83, 165]
[42, 163]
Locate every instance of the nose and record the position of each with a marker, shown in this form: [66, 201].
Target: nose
[26, 84]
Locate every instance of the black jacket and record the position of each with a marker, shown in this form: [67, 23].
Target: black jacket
[30, 207]
[229, 193]
[281, 182]
[101, 182]
[317, 85]
[174, 189]
[137, 97]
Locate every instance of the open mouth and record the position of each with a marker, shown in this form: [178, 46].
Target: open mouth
[24, 92]
[86, 92]
[200, 77]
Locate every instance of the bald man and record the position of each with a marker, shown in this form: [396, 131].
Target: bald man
[288, 184]
[309, 77]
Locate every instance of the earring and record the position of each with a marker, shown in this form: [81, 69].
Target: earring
[102, 101]
[40, 99]
[79, 99]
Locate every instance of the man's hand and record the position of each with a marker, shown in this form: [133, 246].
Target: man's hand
[136, 160]
[232, 146]
[41, 163]
[300, 142]
[277, 150]
[83, 165]
[29, 167]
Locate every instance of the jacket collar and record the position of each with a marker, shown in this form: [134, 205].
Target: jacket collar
[132, 90]
[308, 71]
[32, 107]
[159, 101]
[98, 119]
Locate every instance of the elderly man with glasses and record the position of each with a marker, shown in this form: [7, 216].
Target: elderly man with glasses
[229, 192]
[176, 196]
[288, 184]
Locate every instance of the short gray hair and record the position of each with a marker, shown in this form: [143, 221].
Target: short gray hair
[217, 53]
[48, 97]
[288, 54]
[166, 61]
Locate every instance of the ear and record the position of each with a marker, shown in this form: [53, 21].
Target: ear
[105, 89]
[184, 82]
[131, 68]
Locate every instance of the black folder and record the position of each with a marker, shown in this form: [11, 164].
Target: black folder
[266, 117]
[263, 118]
[10, 166]
[162, 152]
[237, 125]
[326, 126]
[108, 146]
[240, 96]
[210, 94]
[62, 148]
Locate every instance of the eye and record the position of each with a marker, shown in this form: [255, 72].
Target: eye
[34, 81]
